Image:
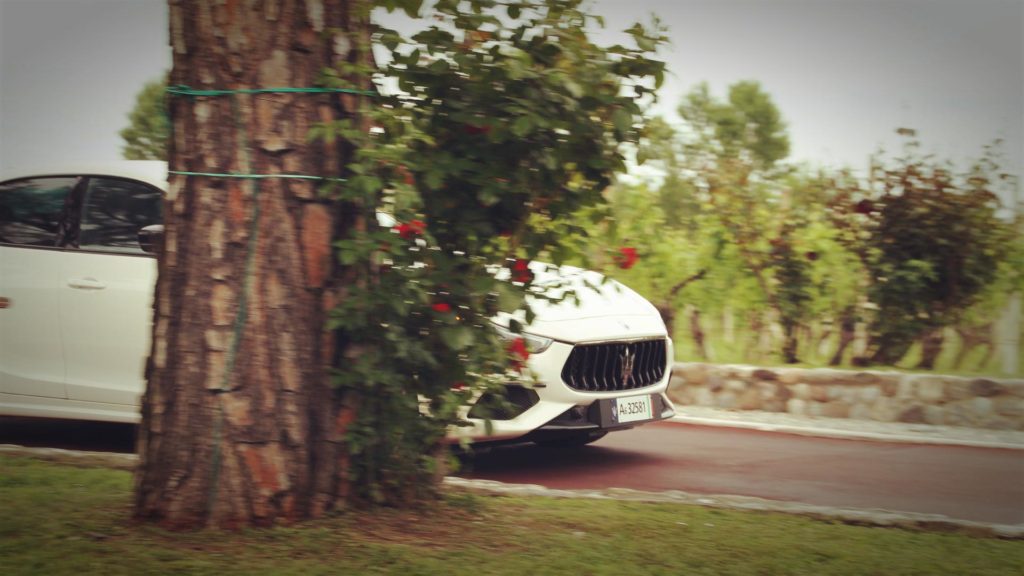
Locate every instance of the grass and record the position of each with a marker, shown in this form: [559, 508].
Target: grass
[57, 519]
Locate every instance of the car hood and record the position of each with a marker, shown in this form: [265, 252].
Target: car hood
[602, 308]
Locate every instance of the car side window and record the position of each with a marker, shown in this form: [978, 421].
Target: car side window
[33, 210]
[115, 211]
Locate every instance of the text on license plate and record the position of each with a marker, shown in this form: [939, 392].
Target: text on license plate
[632, 409]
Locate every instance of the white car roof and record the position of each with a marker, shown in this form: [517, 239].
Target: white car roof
[152, 172]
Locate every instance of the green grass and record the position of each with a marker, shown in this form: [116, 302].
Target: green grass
[57, 519]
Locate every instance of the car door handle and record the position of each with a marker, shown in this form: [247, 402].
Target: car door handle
[86, 284]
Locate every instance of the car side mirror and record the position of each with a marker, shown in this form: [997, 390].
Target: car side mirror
[151, 238]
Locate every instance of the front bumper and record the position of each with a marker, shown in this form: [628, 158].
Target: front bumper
[559, 409]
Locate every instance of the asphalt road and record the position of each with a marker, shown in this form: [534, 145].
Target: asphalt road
[68, 434]
[980, 484]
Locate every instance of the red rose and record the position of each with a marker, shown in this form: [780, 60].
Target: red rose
[407, 176]
[518, 350]
[521, 271]
[626, 257]
[474, 130]
[410, 230]
[405, 231]
[441, 307]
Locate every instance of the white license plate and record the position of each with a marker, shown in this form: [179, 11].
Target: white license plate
[633, 409]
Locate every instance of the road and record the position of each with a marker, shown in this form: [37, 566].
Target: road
[980, 484]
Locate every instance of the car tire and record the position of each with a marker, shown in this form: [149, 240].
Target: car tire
[570, 440]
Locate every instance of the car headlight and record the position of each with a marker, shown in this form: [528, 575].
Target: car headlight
[534, 344]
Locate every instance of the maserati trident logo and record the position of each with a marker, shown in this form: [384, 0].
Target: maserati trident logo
[627, 359]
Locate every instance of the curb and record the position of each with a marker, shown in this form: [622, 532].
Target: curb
[74, 457]
[852, 516]
[826, 432]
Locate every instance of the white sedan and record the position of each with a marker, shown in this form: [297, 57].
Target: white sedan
[76, 291]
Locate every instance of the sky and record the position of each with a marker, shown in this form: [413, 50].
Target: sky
[844, 73]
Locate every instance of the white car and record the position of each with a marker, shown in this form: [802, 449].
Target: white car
[76, 291]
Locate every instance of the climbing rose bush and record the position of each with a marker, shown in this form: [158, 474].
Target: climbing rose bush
[510, 120]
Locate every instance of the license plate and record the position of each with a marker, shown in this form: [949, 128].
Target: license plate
[632, 409]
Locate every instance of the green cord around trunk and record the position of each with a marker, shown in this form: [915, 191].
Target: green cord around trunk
[182, 90]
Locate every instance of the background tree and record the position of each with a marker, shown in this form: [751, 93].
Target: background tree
[145, 137]
[932, 242]
[807, 254]
[734, 150]
[755, 231]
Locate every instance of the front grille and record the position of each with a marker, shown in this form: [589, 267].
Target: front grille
[615, 366]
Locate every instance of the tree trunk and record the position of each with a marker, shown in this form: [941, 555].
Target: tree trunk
[755, 340]
[889, 351]
[668, 311]
[931, 347]
[821, 338]
[970, 338]
[1009, 327]
[668, 316]
[847, 334]
[697, 332]
[790, 343]
[239, 423]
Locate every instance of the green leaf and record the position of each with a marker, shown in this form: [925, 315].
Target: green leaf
[646, 44]
[510, 298]
[641, 156]
[515, 326]
[390, 40]
[348, 257]
[623, 121]
[413, 58]
[411, 7]
[457, 338]
[434, 179]
[574, 89]
[522, 126]
[488, 197]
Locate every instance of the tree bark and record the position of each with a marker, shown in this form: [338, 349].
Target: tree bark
[790, 343]
[668, 311]
[889, 351]
[970, 338]
[239, 423]
[697, 332]
[847, 334]
[931, 347]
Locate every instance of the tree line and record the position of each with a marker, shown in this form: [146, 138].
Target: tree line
[784, 263]
[908, 252]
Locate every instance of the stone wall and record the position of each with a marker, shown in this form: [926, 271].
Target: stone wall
[870, 395]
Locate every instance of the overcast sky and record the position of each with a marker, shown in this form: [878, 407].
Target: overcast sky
[845, 73]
